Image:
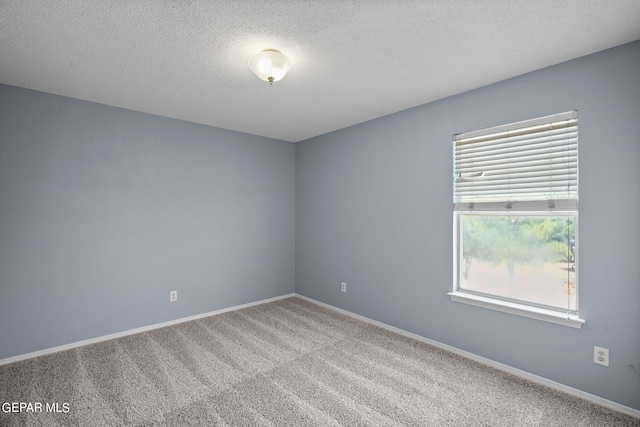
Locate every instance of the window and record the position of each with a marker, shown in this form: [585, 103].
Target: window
[516, 218]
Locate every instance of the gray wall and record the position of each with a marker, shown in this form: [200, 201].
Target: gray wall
[103, 211]
[374, 209]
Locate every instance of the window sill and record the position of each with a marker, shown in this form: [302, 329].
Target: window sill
[518, 309]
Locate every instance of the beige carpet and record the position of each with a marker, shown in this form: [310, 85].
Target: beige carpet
[285, 363]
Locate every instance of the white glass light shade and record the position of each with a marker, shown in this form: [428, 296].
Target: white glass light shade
[270, 65]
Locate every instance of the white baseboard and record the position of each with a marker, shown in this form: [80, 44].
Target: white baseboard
[134, 331]
[505, 368]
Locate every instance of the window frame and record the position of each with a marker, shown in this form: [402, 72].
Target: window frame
[518, 207]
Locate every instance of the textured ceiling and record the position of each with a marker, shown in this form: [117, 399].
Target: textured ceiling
[353, 60]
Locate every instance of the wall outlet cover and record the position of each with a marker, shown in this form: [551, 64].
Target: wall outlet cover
[601, 356]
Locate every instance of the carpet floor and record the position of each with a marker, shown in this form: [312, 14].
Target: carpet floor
[284, 363]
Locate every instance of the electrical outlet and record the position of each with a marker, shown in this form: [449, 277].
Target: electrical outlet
[173, 296]
[601, 355]
[343, 286]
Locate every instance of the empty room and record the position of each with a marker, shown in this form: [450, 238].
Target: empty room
[323, 213]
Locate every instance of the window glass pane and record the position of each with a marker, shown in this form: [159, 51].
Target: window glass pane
[522, 257]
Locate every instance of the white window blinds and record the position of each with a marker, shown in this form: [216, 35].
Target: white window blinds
[521, 165]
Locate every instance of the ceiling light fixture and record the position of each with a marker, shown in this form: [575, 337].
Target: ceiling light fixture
[270, 65]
